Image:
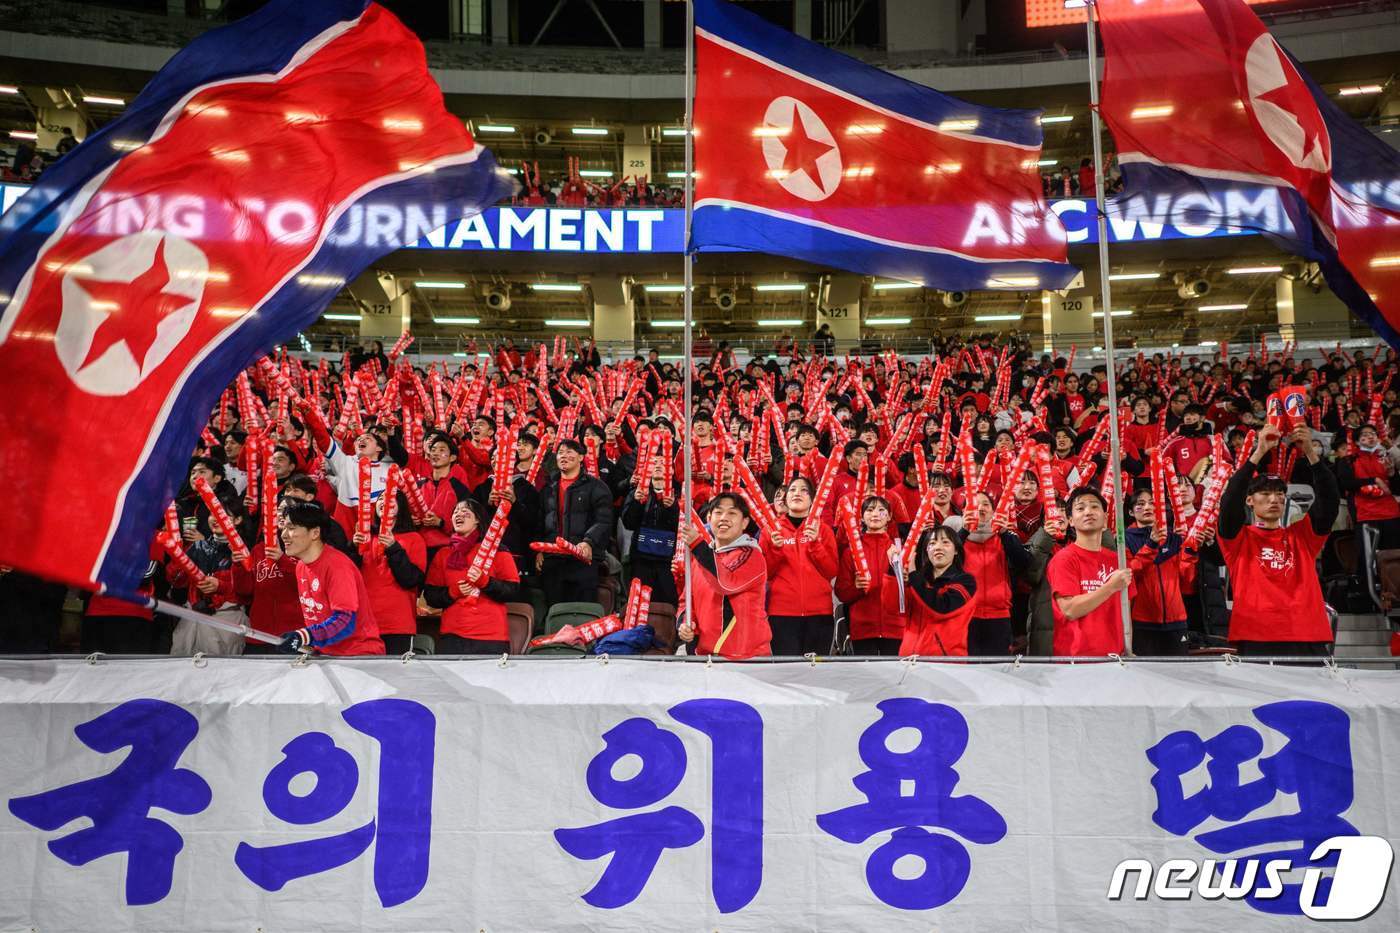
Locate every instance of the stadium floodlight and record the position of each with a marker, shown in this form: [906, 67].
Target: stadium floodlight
[1058, 118]
[668, 323]
[456, 320]
[1222, 307]
[988, 318]
[1253, 270]
[103, 101]
[556, 286]
[782, 322]
[341, 317]
[781, 287]
[429, 284]
[495, 128]
[1134, 276]
[567, 322]
[590, 130]
[895, 286]
[888, 321]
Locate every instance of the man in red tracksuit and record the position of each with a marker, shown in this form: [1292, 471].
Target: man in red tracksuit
[1365, 476]
[1192, 445]
[728, 581]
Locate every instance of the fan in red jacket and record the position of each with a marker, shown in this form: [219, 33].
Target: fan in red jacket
[445, 484]
[1162, 570]
[474, 456]
[1365, 476]
[1143, 430]
[800, 571]
[942, 599]
[473, 605]
[1193, 444]
[394, 563]
[992, 555]
[874, 601]
[727, 582]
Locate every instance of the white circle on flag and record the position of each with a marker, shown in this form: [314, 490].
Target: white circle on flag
[785, 121]
[1266, 71]
[111, 337]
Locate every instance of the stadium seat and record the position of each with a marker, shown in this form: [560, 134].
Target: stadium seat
[662, 619]
[424, 644]
[521, 619]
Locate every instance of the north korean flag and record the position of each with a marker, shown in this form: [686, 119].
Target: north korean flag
[804, 152]
[1200, 97]
[263, 167]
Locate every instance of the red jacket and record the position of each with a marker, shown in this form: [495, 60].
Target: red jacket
[800, 573]
[874, 613]
[1159, 584]
[987, 562]
[270, 590]
[482, 618]
[729, 585]
[475, 462]
[939, 612]
[1187, 450]
[1370, 487]
[395, 605]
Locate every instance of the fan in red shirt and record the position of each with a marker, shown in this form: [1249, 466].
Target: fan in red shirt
[474, 456]
[728, 582]
[1143, 431]
[394, 562]
[473, 604]
[1278, 606]
[445, 483]
[800, 570]
[1085, 582]
[874, 601]
[1365, 475]
[942, 601]
[335, 608]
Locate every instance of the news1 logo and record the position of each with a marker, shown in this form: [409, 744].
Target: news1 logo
[1358, 884]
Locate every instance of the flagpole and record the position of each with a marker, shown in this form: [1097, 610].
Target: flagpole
[687, 303]
[181, 612]
[1115, 460]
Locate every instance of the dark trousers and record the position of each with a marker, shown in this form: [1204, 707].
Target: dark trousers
[794, 636]
[569, 581]
[1020, 615]
[989, 638]
[1305, 649]
[657, 575]
[119, 635]
[1152, 641]
[397, 644]
[876, 647]
[29, 634]
[456, 644]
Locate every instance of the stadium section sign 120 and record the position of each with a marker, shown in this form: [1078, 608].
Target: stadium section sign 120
[654, 230]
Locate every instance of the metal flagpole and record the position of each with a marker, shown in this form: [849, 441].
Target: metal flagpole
[687, 332]
[181, 612]
[1115, 458]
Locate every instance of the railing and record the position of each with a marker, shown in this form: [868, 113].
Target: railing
[1012, 663]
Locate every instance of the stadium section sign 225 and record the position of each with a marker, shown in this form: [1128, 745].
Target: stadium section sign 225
[654, 230]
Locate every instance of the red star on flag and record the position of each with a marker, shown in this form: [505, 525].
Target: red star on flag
[801, 151]
[134, 310]
[1294, 98]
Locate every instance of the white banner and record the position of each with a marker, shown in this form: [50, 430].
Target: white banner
[238, 795]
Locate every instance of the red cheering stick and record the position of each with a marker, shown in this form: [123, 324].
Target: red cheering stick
[506, 455]
[391, 503]
[172, 521]
[1210, 503]
[479, 573]
[823, 493]
[1109, 490]
[1156, 467]
[944, 430]
[1006, 503]
[921, 466]
[858, 556]
[222, 519]
[560, 547]
[1045, 474]
[638, 604]
[922, 516]
[364, 508]
[269, 506]
[668, 462]
[1174, 492]
[400, 345]
[693, 521]
[210, 441]
[567, 419]
[171, 545]
[538, 461]
[255, 453]
[1069, 361]
[590, 456]
[417, 505]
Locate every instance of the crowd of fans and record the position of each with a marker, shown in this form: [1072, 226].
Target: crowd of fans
[573, 190]
[954, 504]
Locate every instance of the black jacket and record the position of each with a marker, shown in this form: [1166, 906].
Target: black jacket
[588, 513]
